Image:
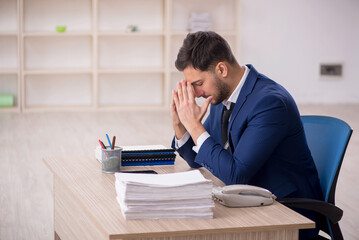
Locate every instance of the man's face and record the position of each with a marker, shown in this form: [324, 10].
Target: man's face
[207, 84]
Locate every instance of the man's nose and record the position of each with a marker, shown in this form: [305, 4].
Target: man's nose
[199, 93]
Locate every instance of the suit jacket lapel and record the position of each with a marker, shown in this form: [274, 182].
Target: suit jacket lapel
[245, 91]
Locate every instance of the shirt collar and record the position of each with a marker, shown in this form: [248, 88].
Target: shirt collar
[235, 94]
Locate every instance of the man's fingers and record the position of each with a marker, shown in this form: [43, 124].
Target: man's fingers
[179, 92]
[173, 106]
[190, 92]
[205, 105]
[184, 90]
[175, 98]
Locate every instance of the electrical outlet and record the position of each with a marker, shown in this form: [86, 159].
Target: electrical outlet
[331, 69]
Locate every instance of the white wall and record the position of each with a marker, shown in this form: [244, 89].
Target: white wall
[288, 40]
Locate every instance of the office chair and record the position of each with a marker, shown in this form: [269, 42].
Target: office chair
[327, 138]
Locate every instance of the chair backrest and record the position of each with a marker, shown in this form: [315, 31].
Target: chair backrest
[327, 138]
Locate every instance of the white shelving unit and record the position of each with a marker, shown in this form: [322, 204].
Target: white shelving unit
[10, 52]
[97, 63]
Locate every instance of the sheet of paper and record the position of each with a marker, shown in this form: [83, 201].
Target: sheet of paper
[163, 180]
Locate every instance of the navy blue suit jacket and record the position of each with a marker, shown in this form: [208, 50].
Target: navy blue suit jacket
[267, 142]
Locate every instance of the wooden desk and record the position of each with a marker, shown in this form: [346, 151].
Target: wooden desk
[85, 207]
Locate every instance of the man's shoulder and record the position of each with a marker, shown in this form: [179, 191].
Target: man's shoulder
[260, 78]
[267, 92]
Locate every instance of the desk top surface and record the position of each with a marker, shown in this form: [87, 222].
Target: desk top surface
[96, 192]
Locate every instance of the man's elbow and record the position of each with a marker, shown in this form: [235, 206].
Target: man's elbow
[193, 164]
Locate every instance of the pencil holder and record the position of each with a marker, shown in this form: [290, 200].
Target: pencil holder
[111, 160]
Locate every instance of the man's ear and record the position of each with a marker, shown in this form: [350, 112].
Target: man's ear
[222, 69]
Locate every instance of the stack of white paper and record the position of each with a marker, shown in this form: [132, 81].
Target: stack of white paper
[164, 196]
[199, 22]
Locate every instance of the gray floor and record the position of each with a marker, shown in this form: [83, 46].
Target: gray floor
[26, 184]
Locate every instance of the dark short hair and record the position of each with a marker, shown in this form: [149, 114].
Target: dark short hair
[203, 50]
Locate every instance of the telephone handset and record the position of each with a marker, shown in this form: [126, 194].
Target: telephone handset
[241, 195]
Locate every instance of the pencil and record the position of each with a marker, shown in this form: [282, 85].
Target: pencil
[108, 139]
[113, 142]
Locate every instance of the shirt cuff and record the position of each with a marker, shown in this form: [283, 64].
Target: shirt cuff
[201, 139]
[180, 142]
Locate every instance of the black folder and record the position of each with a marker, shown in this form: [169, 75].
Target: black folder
[156, 155]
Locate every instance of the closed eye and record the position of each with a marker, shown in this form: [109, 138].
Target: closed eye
[199, 83]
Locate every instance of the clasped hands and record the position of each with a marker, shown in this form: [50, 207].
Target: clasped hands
[186, 114]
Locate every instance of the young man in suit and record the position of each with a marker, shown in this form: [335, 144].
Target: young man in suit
[262, 143]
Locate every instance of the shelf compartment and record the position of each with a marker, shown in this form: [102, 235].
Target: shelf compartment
[58, 90]
[45, 15]
[8, 52]
[117, 15]
[129, 51]
[130, 89]
[9, 85]
[222, 13]
[8, 16]
[57, 52]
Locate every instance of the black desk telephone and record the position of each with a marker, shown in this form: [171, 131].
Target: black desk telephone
[241, 195]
